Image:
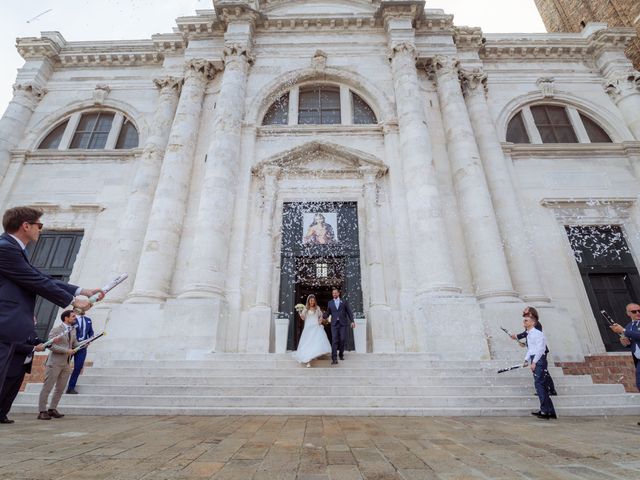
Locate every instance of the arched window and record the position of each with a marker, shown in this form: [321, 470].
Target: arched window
[52, 140]
[320, 105]
[93, 130]
[278, 113]
[546, 123]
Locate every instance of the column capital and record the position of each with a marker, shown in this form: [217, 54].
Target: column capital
[230, 11]
[445, 65]
[619, 85]
[31, 91]
[370, 173]
[200, 66]
[168, 84]
[403, 48]
[234, 51]
[473, 81]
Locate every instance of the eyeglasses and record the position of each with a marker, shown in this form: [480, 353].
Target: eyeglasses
[634, 311]
[40, 225]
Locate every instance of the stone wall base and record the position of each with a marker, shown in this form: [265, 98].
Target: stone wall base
[37, 371]
[604, 369]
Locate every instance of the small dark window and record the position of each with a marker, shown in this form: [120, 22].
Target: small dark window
[362, 113]
[516, 131]
[278, 113]
[93, 130]
[128, 137]
[319, 106]
[52, 141]
[596, 132]
[553, 124]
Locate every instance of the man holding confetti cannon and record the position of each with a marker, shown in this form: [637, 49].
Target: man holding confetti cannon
[20, 282]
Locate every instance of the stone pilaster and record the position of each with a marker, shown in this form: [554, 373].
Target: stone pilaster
[14, 121]
[624, 89]
[382, 336]
[484, 244]
[207, 272]
[432, 260]
[162, 237]
[265, 245]
[145, 181]
[523, 267]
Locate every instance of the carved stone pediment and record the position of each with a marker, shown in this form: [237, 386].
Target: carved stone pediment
[321, 159]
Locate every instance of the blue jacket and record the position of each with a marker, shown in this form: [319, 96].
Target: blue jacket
[339, 316]
[20, 282]
[633, 334]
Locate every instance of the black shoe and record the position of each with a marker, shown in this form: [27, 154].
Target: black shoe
[6, 420]
[334, 362]
[546, 416]
[536, 413]
[73, 391]
[341, 357]
[553, 393]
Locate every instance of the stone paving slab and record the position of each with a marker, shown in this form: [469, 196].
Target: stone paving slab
[319, 448]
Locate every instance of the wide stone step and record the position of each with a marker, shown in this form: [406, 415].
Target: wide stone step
[212, 379]
[315, 372]
[397, 401]
[330, 390]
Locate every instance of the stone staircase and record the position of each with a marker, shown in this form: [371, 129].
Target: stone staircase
[365, 384]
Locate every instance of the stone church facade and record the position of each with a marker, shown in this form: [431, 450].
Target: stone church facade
[442, 177]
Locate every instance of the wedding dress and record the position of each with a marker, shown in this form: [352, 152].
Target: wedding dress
[313, 341]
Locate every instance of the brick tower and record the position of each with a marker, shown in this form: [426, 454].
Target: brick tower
[573, 15]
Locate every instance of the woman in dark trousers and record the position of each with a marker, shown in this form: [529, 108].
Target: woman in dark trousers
[548, 381]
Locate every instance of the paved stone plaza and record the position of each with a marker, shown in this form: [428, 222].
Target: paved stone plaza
[319, 448]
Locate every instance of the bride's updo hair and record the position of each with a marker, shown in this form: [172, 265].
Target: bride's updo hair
[309, 299]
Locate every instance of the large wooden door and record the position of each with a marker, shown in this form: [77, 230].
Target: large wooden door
[608, 273]
[54, 254]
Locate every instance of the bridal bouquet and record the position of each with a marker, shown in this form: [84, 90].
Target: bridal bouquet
[299, 307]
[326, 321]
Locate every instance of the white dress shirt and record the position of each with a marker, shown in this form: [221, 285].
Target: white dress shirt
[536, 345]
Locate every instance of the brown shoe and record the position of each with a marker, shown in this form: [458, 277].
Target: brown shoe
[44, 416]
[54, 413]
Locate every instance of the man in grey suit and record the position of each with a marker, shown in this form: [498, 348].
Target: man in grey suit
[341, 317]
[58, 368]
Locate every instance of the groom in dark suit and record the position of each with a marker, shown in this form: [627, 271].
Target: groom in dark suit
[341, 319]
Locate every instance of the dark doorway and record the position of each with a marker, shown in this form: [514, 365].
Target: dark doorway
[54, 254]
[609, 275]
[316, 259]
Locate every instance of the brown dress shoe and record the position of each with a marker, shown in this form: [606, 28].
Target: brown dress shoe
[54, 413]
[44, 416]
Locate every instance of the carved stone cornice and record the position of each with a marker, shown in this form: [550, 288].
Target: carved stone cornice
[611, 39]
[468, 38]
[170, 43]
[356, 22]
[200, 66]
[37, 48]
[621, 84]
[473, 81]
[229, 11]
[389, 9]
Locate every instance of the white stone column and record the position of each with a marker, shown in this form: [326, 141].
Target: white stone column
[524, 270]
[157, 260]
[15, 118]
[624, 89]
[382, 333]
[484, 243]
[434, 272]
[265, 245]
[140, 197]
[206, 276]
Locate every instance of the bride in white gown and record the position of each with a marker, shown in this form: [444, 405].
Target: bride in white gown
[313, 341]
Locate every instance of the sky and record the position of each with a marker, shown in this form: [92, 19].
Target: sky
[84, 20]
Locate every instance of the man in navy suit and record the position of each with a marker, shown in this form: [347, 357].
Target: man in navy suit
[341, 319]
[19, 366]
[83, 332]
[20, 282]
[632, 334]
